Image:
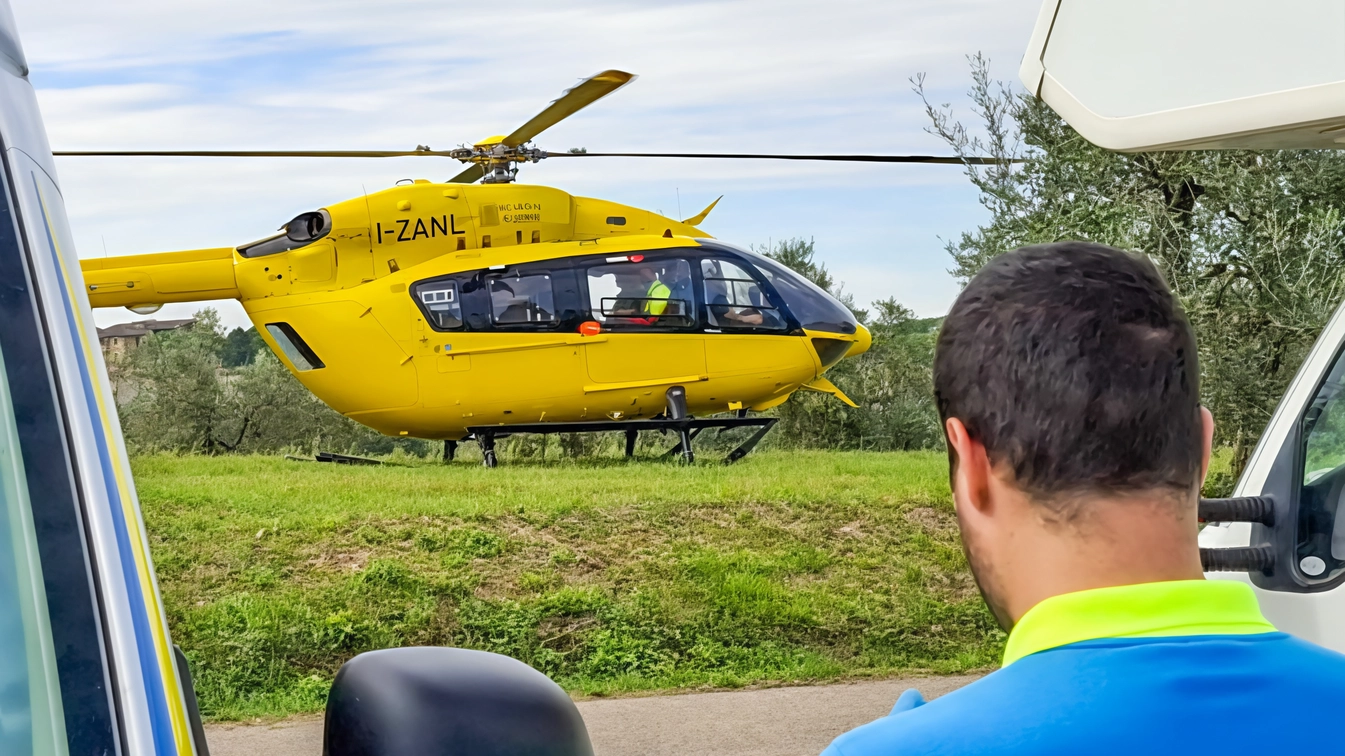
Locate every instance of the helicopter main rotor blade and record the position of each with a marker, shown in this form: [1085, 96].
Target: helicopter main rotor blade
[473, 172]
[477, 172]
[256, 153]
[572, 101]
[935, 159]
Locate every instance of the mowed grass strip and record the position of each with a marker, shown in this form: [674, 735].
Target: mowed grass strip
[609, 576]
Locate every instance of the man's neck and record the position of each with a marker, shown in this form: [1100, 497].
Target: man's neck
[1111, 542]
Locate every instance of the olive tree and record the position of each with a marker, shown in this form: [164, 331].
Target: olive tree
[1252, 242]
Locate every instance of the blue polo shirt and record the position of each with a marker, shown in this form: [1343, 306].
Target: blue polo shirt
[1184, 667]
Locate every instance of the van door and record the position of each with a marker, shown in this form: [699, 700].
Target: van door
[1299, 465]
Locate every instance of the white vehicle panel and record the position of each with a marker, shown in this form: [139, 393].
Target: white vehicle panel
[1135, 75]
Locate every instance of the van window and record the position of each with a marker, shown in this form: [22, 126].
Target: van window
[734, 299]
[643, 293]
[53, 661]
[30, 696]
[522, 299]
[1321, 519]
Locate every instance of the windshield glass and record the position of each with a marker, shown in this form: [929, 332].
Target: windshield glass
[31, 718]
[815, 309]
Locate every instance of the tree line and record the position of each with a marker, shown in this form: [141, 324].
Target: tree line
[1252, 242]
[202, 390]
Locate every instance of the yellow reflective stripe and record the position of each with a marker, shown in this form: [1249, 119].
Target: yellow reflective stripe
[177, 712]
[1145, 610]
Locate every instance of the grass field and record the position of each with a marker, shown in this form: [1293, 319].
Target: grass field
[608, 576]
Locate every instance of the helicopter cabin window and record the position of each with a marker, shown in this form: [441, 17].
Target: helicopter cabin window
[522, 299]
[441, 303]
[734, 298]
[632, 290]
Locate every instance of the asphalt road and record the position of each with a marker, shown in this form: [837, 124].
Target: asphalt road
[766, 722]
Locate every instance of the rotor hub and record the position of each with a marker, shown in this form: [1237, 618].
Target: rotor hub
[498, 161]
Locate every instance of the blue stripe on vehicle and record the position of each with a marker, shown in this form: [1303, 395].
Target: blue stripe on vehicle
[160, 722]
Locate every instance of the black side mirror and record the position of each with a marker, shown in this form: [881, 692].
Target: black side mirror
[1297, 534]
[430, 701]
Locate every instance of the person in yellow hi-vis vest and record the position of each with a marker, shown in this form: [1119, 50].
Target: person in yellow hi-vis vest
[656, 293]
[643, 296]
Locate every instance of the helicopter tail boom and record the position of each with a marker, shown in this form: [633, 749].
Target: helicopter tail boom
[193, 276]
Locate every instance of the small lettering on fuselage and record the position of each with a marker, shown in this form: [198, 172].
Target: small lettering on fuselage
[404, 230]
[518, 212]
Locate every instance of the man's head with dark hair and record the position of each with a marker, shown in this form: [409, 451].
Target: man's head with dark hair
[1075, 367]
[1067, 379]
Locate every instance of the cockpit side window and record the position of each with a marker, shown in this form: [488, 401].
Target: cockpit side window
[814, 308]
[734, 298]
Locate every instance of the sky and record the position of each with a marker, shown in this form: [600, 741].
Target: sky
[725, 76]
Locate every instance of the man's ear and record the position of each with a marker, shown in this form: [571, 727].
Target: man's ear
[1207, 437]
[971, 474]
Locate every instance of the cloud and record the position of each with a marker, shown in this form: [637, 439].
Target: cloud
[744, 75]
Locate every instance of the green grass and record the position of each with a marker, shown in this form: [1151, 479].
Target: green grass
[609, 576]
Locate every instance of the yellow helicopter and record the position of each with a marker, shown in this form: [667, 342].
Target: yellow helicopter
[461, 310]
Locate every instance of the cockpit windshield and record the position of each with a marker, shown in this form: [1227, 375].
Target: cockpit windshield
[815, 309]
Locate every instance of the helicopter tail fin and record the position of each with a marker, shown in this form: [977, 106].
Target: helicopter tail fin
[135, 280]
[698, 218]
[824, 386]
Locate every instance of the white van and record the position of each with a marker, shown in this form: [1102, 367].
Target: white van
[1144, 75]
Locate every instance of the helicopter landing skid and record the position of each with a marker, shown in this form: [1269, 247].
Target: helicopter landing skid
[687, 429]
[340, 459]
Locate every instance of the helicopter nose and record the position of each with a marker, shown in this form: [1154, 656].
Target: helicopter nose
[863, 340]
